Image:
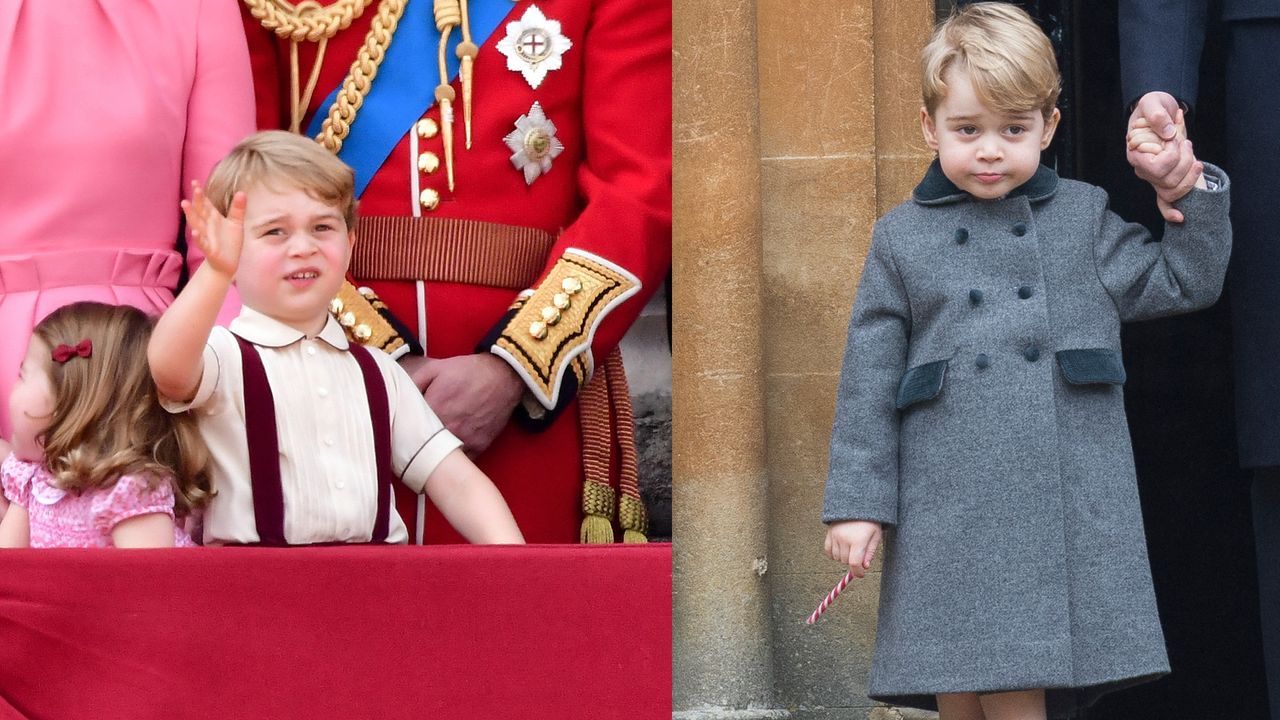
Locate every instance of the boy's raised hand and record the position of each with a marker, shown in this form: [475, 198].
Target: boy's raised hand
[218, 237]
[854, 543]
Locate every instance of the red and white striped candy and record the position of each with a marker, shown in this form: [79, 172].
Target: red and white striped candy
[831, 596]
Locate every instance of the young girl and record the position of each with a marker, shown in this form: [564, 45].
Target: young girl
[980, 414]
[96, 461]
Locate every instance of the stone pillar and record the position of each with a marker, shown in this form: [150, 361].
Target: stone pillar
[840, 142]
[722, 657]
[795, 127]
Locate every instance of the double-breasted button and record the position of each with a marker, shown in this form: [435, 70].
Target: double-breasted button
[1025, 292]
[982, 361]
[962, 236]
[1019, 229]
[1031, 352]
[975, 296]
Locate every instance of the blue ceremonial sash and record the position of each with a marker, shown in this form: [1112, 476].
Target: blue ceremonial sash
[405, 86]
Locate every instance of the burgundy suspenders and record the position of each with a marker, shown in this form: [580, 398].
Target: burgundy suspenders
[264, 446]
[375, 390]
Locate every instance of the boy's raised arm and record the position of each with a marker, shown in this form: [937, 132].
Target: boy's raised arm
[175, 353]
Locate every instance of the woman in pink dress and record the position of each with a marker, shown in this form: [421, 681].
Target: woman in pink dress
[111, 109]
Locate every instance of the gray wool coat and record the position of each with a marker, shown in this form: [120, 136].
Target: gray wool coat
[980, 417]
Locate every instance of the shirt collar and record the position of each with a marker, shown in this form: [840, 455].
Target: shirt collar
[936, 189]
[266, 331]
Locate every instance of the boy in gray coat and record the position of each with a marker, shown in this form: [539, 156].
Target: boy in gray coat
[980, 413]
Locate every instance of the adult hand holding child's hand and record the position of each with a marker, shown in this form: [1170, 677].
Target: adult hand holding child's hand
[854, 543]
[1160, 153]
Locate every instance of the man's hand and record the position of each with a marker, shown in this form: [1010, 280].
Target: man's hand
[219, 238]
[854, 543]
[1172, 171]
[473, 395]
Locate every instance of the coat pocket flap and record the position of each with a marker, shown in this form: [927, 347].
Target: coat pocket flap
[921, 383]
[1094, 365]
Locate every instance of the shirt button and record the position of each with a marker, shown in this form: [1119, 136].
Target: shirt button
[1031, 353]
[1019, 229]
[322, 392]
[962, 236]
[328, 440]
[311, 349]
[982, 361]
[975, 296]
[1025, 292]
[341, 484]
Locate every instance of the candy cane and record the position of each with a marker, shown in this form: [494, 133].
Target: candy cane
[831, 596]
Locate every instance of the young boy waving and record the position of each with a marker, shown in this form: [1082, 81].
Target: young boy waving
[306, 429]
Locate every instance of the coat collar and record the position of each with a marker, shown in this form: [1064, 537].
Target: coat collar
[936, 189]
[266, 331]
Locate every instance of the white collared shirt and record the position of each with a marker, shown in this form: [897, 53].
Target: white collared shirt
[327, 464]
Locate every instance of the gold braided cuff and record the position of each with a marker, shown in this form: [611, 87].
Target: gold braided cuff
[368, 321]
[550, 332]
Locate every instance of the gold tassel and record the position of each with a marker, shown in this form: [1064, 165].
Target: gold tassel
[597, 509]
[599, 500]
[445, 95]
[632, 515]
[448, 14]
[634, 519]
[596, 530]
[467, 52]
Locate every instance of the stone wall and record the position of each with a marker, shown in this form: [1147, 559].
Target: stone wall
[796, 125]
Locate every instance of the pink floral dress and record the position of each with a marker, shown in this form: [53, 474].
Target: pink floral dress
[59, 518]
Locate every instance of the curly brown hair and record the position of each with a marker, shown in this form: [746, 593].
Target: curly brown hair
[107, 420]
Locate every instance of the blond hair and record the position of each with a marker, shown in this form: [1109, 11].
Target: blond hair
[107, 420]
[1007, 57]
[274, 156]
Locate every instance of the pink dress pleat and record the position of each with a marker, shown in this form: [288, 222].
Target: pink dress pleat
[112, 108]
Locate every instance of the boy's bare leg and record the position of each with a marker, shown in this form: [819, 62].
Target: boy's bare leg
[959, 706]
[1020, 705]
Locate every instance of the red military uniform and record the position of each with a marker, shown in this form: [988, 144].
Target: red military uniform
[550, 256]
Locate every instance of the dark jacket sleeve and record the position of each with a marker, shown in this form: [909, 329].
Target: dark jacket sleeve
[862, 481]
[1160, 44]
[1181, 274]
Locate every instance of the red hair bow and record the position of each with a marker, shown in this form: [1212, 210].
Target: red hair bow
[63, 353]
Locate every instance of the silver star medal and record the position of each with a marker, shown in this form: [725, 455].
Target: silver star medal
[533, 144]
[533, 46]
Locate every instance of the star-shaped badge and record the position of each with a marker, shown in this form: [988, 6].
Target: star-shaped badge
[533, 46]
[533, 144]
